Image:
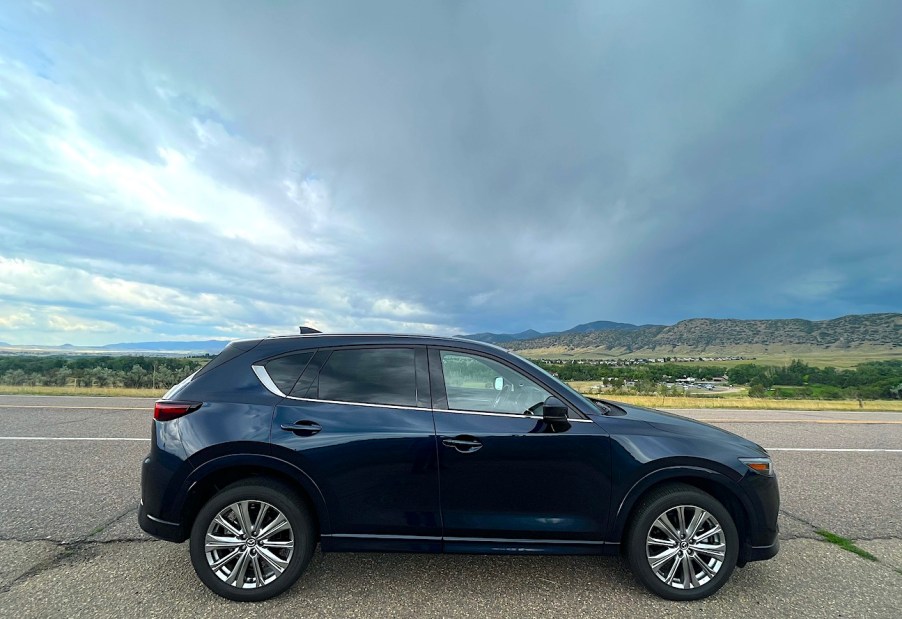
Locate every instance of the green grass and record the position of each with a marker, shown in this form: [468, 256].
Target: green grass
[83, 391]
[845, 544]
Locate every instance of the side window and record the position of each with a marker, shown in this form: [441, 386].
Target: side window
[371, 376]
[475, 383]
[285, 371]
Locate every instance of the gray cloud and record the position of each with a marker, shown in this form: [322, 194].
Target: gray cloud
[445, 166]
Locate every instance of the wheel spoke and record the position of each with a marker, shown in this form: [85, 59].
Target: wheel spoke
[280, 545]
[712, 550]
[215, 542]
[681, 519]
[658, 560]
[688, 573]
[697, 518]
[258, 523]
[664, 524]
[236, 578]
[279, 524]
[223, 560]
[704, 566]
[672, 573]
[258, 571]
[225, 524]
[275, 562]
[660, 542]
[703, 536]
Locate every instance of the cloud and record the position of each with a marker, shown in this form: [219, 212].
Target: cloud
[446, 167]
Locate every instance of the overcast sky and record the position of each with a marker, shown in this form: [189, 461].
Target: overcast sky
[228, 169]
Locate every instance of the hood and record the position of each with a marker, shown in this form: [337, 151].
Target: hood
[676, 424]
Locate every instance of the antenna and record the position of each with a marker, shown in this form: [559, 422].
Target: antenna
[308, 330]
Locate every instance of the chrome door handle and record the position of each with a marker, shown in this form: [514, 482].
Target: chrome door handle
[302, 428]
[463, 444]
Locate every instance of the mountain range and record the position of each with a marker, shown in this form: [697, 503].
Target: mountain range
[696, 336]
[532, 334]
[709, 336]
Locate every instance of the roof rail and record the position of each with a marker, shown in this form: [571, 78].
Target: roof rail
[308, 330]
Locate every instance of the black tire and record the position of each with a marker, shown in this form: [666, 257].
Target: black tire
[279, 496]
[658, 502]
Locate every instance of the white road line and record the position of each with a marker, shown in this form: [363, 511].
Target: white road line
[70, 438]
[834, 449]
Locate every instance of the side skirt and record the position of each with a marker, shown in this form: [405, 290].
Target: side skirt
[340, 542]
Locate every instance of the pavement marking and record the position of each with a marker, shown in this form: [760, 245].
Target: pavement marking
[835, 449]
[823, 421]
[90, 408]
[70, 438]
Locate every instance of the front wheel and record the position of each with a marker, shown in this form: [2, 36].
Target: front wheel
[683, 543]
[252, 540]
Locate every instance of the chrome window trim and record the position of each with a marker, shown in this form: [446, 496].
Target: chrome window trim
[263, 375]
[407, 408]
[509, 415]
[264, 378]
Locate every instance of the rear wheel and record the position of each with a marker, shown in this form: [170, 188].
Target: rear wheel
[683, 543]
[252, 540]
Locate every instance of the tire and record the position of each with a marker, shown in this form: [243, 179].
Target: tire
[288, 546]
[684, 570]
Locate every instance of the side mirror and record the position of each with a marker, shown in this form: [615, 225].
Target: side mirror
[554, 410]
[499, 383]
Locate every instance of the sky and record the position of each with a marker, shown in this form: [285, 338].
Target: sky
[193, 170]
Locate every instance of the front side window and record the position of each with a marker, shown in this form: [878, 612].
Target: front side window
[475, 383]
[370, 376]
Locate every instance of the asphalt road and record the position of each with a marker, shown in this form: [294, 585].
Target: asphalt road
[70, 545]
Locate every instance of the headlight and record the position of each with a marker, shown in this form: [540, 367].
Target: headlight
[761, 466]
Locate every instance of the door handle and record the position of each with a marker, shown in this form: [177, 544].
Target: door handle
[463, 444]
[302, 428]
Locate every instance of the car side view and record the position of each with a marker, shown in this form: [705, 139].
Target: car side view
[423, 444]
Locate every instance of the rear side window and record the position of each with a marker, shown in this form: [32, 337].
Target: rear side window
[371, 376]
[285, 371]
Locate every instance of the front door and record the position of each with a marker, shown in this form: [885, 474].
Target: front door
[506, 475]
[359, 423]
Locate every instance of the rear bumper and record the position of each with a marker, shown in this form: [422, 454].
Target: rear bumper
[161, 529]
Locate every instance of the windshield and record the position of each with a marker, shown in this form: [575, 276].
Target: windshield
[570, 391]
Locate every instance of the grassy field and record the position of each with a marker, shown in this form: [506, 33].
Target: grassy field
[842, 359]
[654, 401]
[83, 391]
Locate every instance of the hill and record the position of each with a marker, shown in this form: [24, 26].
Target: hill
[532, 334]
[708, 336]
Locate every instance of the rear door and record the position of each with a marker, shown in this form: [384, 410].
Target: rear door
[359, 422]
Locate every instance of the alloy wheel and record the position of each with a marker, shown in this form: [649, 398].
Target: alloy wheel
[249, 544]
[685, 547]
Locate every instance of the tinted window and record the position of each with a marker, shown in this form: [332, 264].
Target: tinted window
[371, 375]
[284, 371]
[476, 383]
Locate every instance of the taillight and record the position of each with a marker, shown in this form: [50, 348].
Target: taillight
[165, 411]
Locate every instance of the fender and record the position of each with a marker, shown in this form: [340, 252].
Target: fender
[266, 462]
[673, 472]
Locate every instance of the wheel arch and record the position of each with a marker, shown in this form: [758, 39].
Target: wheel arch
[214, 475]
[716, 484]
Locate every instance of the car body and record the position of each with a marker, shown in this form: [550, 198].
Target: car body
[427, 444]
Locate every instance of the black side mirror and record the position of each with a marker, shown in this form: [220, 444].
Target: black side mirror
[554, 410]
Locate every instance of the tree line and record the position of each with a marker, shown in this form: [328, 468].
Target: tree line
[870, 380]
[119, 371]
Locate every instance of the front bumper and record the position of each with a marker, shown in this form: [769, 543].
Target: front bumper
[161, 529]
[761, 553]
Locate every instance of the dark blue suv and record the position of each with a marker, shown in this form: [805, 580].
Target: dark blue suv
[423, 444]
